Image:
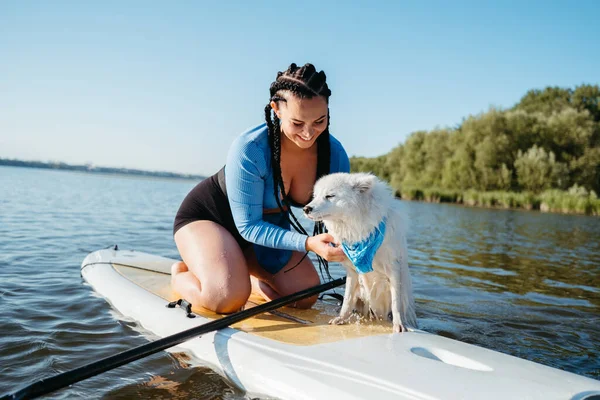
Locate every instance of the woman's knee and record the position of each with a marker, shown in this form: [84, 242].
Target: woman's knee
[311, 279]
[216, 260]
[228, 298]
[306, 303]
[302, 277]
[221, 296]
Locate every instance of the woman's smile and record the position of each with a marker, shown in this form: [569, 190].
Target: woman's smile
[305, 139]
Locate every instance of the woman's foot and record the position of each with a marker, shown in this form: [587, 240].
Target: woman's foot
[177, 268]
[263, 289]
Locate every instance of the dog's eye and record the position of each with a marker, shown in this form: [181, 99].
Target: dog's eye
[329, 196]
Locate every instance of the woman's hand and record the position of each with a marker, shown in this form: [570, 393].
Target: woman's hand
[321, 244]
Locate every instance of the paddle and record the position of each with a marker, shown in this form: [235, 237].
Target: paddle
[48, 385]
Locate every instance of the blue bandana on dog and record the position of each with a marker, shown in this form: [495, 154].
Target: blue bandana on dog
[362, 253]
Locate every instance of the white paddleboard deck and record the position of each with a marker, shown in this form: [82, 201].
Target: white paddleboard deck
[296, 354]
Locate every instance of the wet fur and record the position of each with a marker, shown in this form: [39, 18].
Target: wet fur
[360, 201]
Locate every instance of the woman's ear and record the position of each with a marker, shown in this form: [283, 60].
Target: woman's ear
[275, 108]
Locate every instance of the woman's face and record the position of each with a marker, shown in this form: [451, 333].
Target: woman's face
[302, 120]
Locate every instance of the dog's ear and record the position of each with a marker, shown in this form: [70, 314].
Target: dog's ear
[364, 183]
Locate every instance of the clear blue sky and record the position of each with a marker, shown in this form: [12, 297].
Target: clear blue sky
[168, 85]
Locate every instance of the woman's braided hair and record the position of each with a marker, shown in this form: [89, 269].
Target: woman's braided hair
[304, 82]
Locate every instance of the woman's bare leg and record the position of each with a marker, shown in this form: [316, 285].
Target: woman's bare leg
[214, 272]
[272, 286]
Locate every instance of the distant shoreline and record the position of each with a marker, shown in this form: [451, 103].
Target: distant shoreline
[96, 169]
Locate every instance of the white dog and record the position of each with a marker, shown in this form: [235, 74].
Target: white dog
[359, 211]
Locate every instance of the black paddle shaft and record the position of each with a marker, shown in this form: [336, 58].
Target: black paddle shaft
[48, 385]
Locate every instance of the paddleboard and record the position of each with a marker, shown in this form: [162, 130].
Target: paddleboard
[296, 354]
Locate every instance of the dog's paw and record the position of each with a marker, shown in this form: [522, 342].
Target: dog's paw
[399, 328]
[337, 321]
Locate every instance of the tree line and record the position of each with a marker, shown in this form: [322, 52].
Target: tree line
[545, 146]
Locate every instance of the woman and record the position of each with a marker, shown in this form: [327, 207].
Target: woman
[233, 229]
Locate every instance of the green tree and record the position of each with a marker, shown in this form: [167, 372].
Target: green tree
[587, 97]
[538, 170]
[549, 140]
[414, 160]
[435, 151]
[375, 166]
[395, 168]
[459, 172]
[546, 101]
[568, 133]
[585, 170]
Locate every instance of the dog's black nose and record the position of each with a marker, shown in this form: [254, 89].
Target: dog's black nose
[307, 209]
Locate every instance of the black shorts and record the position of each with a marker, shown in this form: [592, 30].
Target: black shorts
[207, 201]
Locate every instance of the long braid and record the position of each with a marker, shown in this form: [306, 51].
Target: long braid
[275, 145]
[323, 150]
[323, 154]
[278, 178]
[304, 82]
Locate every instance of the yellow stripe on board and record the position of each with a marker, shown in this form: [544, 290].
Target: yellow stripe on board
[292, 326]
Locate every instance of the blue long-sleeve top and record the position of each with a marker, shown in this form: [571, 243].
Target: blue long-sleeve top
[249, 181]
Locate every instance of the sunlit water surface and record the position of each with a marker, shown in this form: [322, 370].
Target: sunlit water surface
[522, 283]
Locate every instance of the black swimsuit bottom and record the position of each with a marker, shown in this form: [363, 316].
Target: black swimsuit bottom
[207, 201]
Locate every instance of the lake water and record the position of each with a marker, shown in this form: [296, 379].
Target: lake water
[522, 283]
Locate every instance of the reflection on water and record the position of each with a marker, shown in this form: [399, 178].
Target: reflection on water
[523, 283]
[184, 382]
[519, 282]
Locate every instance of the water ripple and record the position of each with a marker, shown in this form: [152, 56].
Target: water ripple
[522, 283]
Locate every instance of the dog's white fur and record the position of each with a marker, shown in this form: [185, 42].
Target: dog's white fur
[352, 206]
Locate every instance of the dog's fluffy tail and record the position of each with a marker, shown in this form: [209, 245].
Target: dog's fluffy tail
[407, 311]
[407, 308]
